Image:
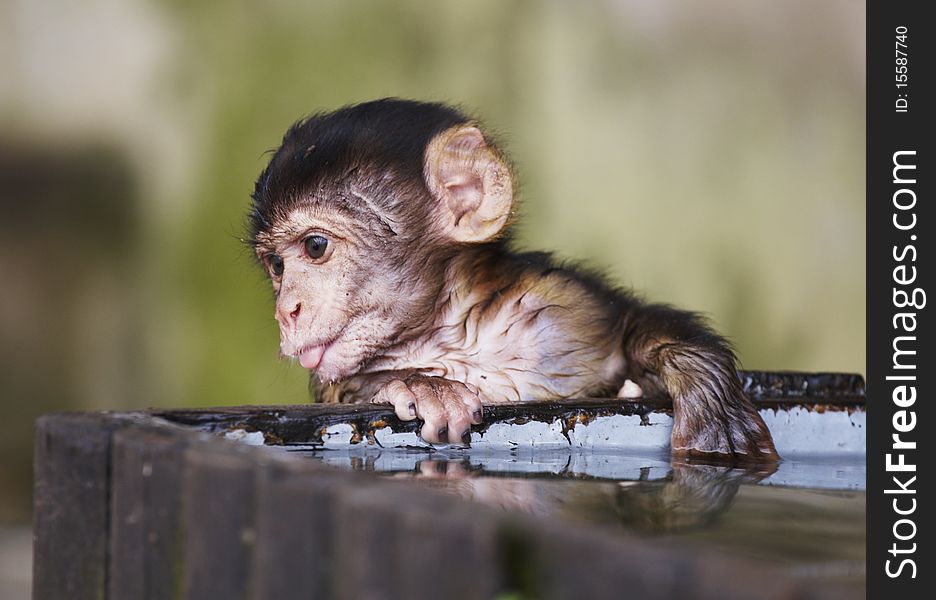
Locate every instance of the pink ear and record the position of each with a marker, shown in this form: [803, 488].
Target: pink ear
[462, 184]
[470, 183]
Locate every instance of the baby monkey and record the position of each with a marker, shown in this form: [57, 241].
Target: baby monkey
[383, 227]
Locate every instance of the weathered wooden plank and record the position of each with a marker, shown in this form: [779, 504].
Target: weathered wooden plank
[450, 547]
[295, 530]
[145, 536]
[70, 506]
[218, 500]
[365, 561]
[408, 543]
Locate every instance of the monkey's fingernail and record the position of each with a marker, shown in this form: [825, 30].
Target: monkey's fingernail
[476, 415]
[466, 437]
[412, 408]
[443, 431]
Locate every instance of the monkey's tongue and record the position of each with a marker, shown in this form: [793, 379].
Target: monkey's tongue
[312, 357]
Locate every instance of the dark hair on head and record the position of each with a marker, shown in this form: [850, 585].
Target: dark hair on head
[382, 133]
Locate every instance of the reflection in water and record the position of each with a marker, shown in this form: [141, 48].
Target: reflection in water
[690, 495]
[813, 532]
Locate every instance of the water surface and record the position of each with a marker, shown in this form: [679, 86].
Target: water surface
[806, 515]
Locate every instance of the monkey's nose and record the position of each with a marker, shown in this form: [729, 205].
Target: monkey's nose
[290, 317]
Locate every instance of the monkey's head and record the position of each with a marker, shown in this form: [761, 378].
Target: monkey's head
[357, 216]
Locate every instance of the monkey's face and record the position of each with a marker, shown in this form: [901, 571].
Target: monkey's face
[344, 287]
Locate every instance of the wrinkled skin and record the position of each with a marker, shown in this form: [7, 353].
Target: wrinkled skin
[415, 300]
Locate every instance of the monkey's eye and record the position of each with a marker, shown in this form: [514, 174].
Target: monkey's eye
[276, 265]
[315, 246]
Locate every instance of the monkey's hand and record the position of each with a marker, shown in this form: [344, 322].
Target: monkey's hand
[447, 408]
[712, 416]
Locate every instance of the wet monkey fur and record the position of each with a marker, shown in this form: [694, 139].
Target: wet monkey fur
[382, 226]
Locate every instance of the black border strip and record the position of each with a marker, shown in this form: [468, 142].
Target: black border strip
[897, 122]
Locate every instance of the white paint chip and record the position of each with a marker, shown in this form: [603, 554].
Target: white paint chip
[251, 438]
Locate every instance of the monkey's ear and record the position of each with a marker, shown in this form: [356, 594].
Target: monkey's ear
[470, 184]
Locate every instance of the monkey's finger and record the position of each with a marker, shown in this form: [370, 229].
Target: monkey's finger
[435, 431]
[459, 428]
[471, 402]
[458, 411]
[475, 408]
[435, 422]
[403, 400]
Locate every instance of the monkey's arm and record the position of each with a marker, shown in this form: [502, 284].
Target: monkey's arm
[698, 370]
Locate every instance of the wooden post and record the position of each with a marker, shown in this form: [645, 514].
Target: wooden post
[296, 530]
[71, 506]
[218, 501]
[146, 545]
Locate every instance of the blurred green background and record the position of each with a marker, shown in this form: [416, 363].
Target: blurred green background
[710, 154]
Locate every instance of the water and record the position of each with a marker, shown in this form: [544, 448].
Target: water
[806, 516]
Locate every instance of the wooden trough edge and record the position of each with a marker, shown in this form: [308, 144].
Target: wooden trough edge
[129, 506]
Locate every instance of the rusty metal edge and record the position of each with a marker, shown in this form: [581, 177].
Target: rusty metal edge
[306, 424]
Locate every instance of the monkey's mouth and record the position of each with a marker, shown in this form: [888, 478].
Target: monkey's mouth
[310, 357]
